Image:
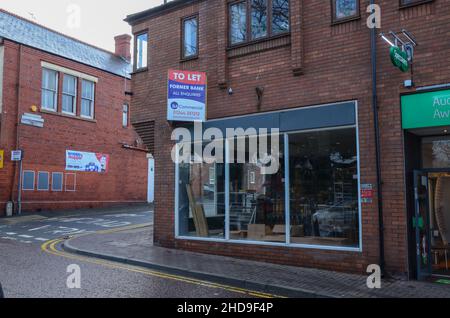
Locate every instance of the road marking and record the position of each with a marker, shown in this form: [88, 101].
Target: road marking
[11, 233]
[41, 239]
[50, 247]
[39, 228]
[26, 236]
[9, 238]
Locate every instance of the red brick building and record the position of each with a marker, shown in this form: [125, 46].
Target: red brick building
[306, 68]
[61, 98]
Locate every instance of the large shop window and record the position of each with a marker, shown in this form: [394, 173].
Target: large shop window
[310, 200]
[257, 199]
[324, 188]
[202, 197]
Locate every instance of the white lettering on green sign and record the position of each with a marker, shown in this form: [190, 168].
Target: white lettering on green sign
[431, 109]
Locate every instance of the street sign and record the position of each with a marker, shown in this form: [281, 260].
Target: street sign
[399, 58]
[16, 155]
[2, 156]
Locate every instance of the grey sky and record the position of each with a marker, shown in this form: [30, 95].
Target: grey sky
[100, 20]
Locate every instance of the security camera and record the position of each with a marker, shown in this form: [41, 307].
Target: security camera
[230, 91]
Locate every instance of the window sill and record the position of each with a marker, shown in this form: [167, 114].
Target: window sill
[141, 70]
[188, 59]
[409, 5]
[49, 112]
[259, 45]
[341, 21]
[253, 42]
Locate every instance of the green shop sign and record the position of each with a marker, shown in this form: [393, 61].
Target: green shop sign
[399, 59]
[426, 110]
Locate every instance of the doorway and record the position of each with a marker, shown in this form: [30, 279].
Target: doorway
[432, 222]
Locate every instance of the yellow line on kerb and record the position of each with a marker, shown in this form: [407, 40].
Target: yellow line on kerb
[50, 248]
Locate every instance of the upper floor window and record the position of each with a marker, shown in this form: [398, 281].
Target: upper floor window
[69, 94]
[141, 51]
[256, 19]
[190, 37]
[345, 10]
[49, 100]
[87, 99]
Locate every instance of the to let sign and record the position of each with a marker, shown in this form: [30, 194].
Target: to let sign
[16, 155]
[186, 96]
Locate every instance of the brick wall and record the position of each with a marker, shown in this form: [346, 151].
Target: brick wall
[318, 63]
[45, 148]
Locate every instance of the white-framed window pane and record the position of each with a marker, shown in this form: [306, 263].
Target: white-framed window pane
[28, 181]
[49, 89]
[69, 84]
[49, 79]
[87, 99]
[57, 181]
[43, 181]
[142, 51]
[125, 116]
[71, 182]
[87, 90]
[68, 104]
[238, 23]
[86, 108]
[48, 99]
[190, 37]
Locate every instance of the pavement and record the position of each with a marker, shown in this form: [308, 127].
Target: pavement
[135, 247]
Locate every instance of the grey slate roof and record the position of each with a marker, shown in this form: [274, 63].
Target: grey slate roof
[31, 34]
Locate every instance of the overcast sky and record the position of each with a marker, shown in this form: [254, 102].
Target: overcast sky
[100, 20]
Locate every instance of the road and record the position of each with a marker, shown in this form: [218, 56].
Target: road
[30, 267]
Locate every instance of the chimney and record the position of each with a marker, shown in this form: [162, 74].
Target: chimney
[123, 46]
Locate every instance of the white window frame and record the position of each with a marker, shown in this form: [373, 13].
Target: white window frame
[38, 179]
[34, 180]
[74, 182]
[287, 199]
[62, 182]
[55, 92]
[91, 100]
[141, 64]
[74, 97]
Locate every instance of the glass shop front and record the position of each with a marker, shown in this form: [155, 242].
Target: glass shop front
[311, 200]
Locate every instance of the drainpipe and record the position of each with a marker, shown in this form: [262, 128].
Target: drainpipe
[18, 165]
[373, 40]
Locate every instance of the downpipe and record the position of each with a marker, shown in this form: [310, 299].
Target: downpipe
[373, 40]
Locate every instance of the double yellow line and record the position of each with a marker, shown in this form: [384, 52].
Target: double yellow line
[50, 247]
